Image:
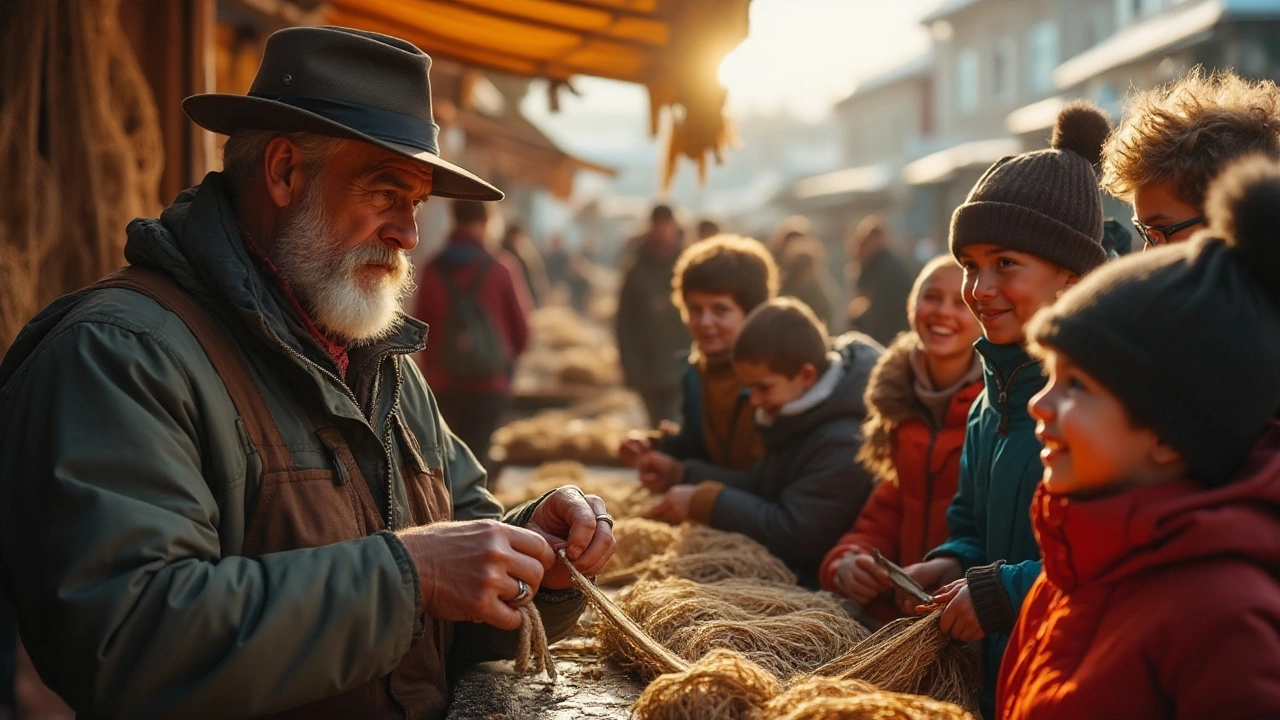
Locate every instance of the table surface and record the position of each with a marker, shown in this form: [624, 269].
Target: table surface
[585, 687]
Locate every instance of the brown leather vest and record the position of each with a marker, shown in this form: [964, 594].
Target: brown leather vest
[303, 508]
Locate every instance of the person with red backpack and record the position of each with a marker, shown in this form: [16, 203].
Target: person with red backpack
[477, 310]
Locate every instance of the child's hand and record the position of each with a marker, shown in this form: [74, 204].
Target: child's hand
[632, 449]
[931, 575]
[674, 506]
[959, 620]
[860, 577]
[658, 471]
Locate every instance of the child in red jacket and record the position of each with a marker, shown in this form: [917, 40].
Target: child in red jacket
[918, 397]
[1159, 511]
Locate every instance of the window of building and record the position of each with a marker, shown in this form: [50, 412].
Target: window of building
[967, 81]
[1003, 69]
[1042, 57]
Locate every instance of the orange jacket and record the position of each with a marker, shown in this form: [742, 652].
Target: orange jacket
[1159, 602]
[918, 467]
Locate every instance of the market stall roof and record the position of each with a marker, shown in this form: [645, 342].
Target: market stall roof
[673, 47]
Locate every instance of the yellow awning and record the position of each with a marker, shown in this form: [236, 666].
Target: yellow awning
[673, 47]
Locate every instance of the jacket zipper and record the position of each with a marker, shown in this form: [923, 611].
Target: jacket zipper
[1003, 397]
[386, 448]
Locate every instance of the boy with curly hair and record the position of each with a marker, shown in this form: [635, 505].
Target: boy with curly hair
[716, 283]
[1176, 138]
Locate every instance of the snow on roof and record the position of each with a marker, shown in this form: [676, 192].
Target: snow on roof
[939, 166]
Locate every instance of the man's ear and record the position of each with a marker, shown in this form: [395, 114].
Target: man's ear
[282, 171]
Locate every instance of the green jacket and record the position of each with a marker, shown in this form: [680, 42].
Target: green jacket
[126, 484]
[990, 517]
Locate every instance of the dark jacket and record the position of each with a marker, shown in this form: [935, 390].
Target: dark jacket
[917, 466]
[503, 295]
[127, 484]
[807, 489]
[1160, 602]
[885, 281]
[652, 338]
[730, 440]
[990, 519]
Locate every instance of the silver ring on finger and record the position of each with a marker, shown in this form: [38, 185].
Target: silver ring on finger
[605, 518]
[522, 596]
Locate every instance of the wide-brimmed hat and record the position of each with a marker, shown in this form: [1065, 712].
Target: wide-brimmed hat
[344, 83]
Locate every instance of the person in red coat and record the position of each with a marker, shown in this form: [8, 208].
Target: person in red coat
[472, 403]
[1159, 512]
[919, 396]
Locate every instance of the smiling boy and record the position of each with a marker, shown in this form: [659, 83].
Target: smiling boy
[1159, 510]
[715, 284]
[1031, 226]
[806, 489]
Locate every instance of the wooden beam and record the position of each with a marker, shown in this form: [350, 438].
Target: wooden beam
[527, 20]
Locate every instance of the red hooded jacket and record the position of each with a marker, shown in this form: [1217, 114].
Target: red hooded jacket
[1160, 602]
[906, 518]
[502, 293]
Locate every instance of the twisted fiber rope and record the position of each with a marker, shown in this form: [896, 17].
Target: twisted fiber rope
[533, 654]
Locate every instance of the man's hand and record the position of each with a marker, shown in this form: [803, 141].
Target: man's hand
[860, 577]
[674, 506]
[959, 620]
[658, 471]
[632, 449]
[931, 575]
[567, 518]
[469, 570]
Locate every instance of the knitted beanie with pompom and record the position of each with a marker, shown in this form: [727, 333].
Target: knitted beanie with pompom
[1187, 336]
[1045, 203]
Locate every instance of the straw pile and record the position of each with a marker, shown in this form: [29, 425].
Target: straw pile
[649, 550]
[784, 629]
[623, 497]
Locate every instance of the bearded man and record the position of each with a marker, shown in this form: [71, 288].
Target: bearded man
[225, 491]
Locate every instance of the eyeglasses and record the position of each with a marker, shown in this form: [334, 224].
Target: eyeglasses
[1153, 235]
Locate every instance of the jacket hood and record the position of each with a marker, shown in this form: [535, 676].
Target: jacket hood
[857, 356]
[198, 243]
[1107, 539]
[891, 400]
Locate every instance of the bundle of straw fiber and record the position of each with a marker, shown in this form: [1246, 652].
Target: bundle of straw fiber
[726, 686]
[911, 655]
[696, 552]
[784, 629]
[623, 497]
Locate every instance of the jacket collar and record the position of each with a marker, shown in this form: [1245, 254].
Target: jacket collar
[1109, 538]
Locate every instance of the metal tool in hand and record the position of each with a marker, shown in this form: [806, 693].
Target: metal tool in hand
[902, 579]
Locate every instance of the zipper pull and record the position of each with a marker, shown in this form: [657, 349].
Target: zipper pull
[1004, 414]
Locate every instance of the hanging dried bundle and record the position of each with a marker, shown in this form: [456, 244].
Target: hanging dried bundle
[912, 655]
[704, 555]
[784, 629]
[80, 150]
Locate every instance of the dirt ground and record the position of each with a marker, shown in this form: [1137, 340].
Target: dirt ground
[585, 688]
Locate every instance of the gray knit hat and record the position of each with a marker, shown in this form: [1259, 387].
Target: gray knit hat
[1188, 336]
[1047, 202]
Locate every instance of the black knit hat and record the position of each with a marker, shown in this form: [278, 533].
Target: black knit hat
[1188, 336]
[1046, 202]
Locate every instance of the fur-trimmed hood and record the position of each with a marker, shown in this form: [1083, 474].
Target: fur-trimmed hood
[891, 400]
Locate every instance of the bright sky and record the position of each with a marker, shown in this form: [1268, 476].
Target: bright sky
[808, 54]
[803, 55]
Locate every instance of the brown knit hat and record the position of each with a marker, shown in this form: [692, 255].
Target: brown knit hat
[1047, 202]
[1188, 336]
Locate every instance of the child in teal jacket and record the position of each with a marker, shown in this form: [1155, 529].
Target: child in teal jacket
[1031, 226]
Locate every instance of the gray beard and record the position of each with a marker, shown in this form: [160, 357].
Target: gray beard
[327, 284]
